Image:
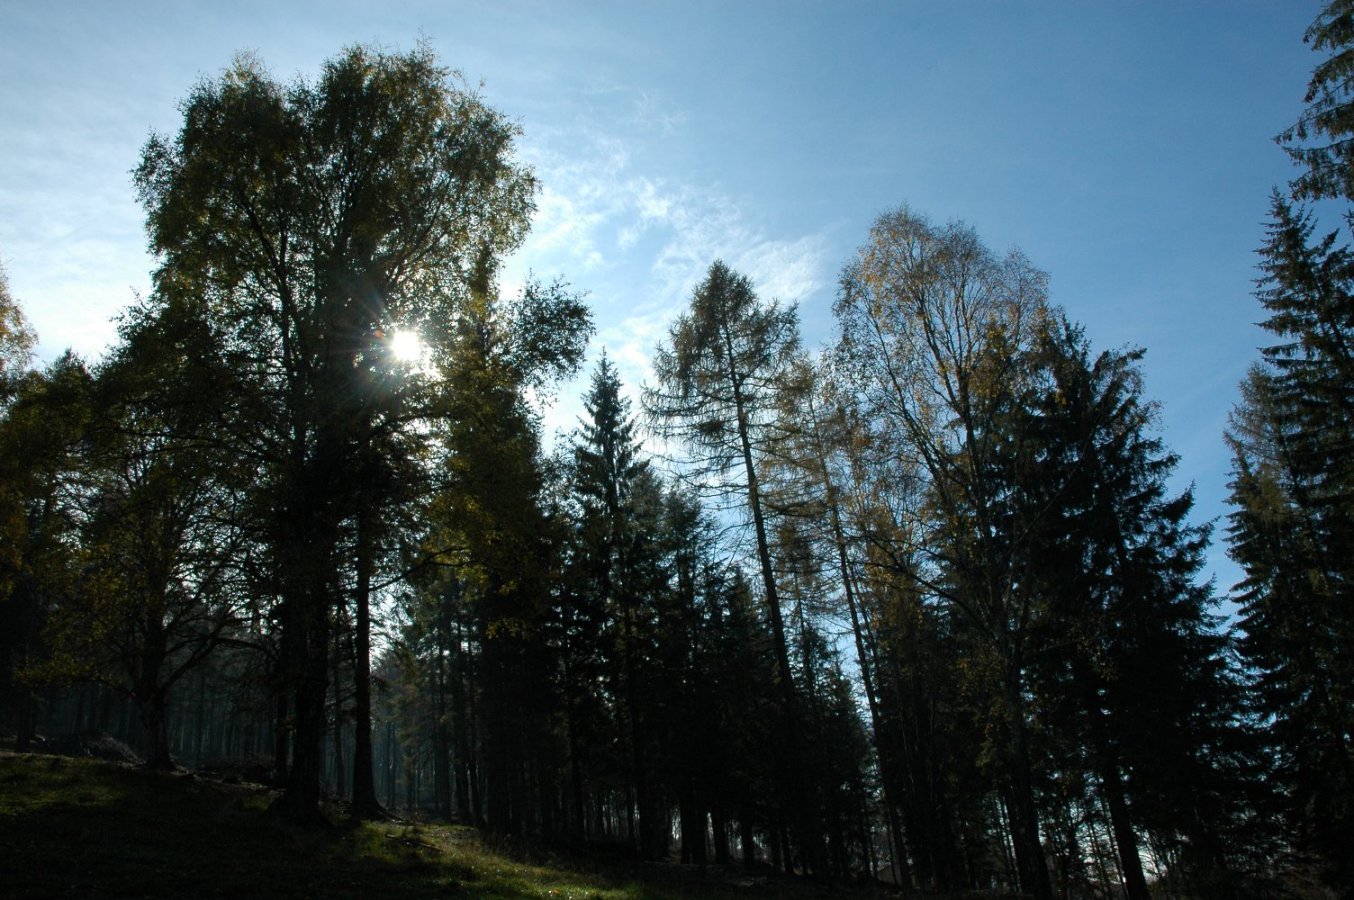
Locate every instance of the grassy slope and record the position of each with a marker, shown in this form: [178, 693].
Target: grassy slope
[83, 828]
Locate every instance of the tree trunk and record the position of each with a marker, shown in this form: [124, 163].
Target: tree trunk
[745, 836]
[441, 735]
[466, 810]
[1024, 817]
[155, 719]
[340, 777]
[901, 871]
[804, 818]
[281, 739]
[26, 724]
[720, 829]
[1130, 861]
[365, 804]
[301, 799]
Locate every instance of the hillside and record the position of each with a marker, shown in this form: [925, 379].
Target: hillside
[87, 828]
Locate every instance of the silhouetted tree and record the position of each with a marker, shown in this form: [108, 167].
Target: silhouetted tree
[305, 222]
[717, 380]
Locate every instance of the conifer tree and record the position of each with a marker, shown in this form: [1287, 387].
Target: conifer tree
[1292, 439]
[718, 377]
[617, 577]
[1121, 611]
[1292, 531]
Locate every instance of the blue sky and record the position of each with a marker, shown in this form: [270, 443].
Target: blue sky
[1126, 148]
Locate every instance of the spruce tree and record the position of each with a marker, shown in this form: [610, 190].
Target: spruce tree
[1116, 563]
[1292, 531]
[617, 579]
[1292, 439]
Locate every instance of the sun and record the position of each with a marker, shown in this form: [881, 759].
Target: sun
[407, 346]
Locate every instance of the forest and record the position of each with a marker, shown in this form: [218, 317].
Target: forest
[918, 606]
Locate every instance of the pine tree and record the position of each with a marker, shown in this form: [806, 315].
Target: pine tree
[717, 383]
[1121, 611]
[1292, 531]
[616, 581]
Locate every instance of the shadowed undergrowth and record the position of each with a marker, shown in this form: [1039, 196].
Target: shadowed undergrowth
[87, 828]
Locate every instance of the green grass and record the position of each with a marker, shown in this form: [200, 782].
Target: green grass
[84, 828]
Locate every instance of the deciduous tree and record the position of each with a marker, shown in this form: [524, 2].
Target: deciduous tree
[306, 221]
[934, 329]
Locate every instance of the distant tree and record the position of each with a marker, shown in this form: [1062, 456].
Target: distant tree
[16, 340]
[305, 223]
[41, 435]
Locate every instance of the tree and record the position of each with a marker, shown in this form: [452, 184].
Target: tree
[493, 528]
[1115, 563]
[934, 329]
[619, 578]
[40, 441]
[717, 381]
[305, 223]
[1292, 532]
[159, 533]
[715, 695]
[1329, 118]
[1292, 439]
[16, 340]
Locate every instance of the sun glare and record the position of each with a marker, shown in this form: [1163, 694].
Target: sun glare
[407, 346]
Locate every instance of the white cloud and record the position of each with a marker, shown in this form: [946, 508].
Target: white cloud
[637, 241]
[785, 270]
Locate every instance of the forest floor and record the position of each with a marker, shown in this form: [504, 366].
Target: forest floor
[87, 828]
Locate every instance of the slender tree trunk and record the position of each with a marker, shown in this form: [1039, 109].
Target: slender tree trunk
[720, 829]
[902, 873]
[201, 718]
[281, 739]
[340, 779]
[805, 818]
[27, 719]
[638, 756]
[365, 804]
[1125, 839]
[466, 810]
[441, 734]
[1034, 878]
[746, 838]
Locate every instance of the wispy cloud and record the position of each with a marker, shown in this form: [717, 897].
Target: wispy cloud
[637, 241]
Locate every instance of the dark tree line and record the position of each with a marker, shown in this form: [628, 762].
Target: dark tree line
[919, 605]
